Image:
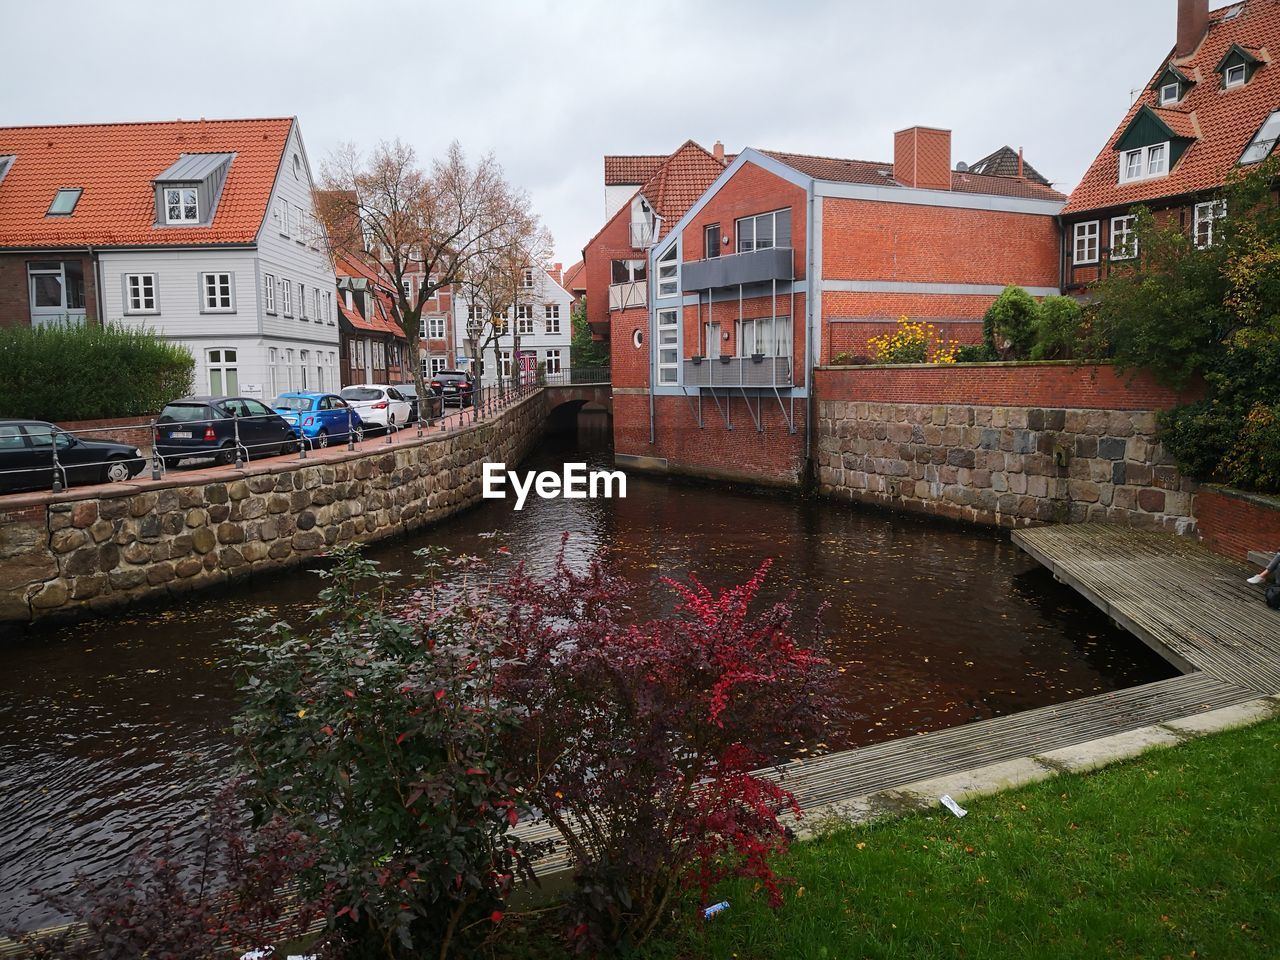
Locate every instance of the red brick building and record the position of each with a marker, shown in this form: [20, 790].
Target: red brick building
[725, 281]
[1212, 106]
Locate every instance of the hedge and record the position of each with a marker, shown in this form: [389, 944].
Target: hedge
[89, 372]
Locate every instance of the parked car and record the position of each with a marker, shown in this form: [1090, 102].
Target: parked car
[320, 417]
[26, 457]
[207, 427]
[454, 387]
[430, 409]
[378, 404]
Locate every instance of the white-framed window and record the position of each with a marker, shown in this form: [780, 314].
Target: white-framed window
[474, 314]
[406, 284]
[288, 369]
[1204, 224]
[767, 336]
[273, 376]
[553, 361]
[551, 313]
[328, 307]
[1235, 76]
[1124, 242]
[1264, 141]
[526, 278]
[668, 346]
[181, 205]
[435, 328]
[504, 362]
[763, 231]
[286, 298]
[224, 378]
[1086, 243]
[668, 274]
[302, 301]
[1170, 93]
[269, 293]
[315, 301]
[217, 293]
[140, 293]
[282, 217]
[304, 358]
[524, 319]
[438, 364]
[1144, 162]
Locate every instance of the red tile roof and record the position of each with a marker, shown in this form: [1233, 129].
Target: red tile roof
[381, 320]
[1223, 121]
[574, 278]
[115, 163]
[628, 170]
[679, 183]
[880, 174]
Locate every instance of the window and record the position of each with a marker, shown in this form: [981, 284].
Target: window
[269, 293]
[712, 245]
[435, 328]
[551, 312]
[526, 280]
[628, 271]
[1124, 242]
[524, 319]
[1170, 93]
[56, 289]
[668, 274]
[315, 302]
[668, 346]
[769, 336]
[140, 293]
[282, 217]
[64, 202]
[328, 307]
[181, 205]
[1145, 162]
[1086, 243]
[764, 231]
[553, 361]
[1206, 216]
[504, 359]
[1263, 141]
[302, 301]
[286, 298]
[217, 293]
[304, 357]
[273, 360]
[438, 364]
[224, 380]
[1235, 76]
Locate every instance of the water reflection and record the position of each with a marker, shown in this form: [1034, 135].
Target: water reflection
[110, 728]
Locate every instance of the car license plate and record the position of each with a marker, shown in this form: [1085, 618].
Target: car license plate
[179, 434]
[450, 389]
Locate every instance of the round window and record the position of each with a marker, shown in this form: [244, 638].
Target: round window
[637, 337]
[297, 166]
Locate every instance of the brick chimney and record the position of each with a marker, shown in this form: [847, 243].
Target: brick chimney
[922, 158]
[718, 150]
[1193, 24]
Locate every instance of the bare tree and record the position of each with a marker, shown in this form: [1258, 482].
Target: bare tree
[399, 219]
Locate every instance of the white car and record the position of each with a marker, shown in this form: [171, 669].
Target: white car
[378, 404]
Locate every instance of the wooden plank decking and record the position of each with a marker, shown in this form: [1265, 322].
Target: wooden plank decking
[1182, 600]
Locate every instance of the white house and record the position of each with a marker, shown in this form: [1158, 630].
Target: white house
[538, 322]
[204, 231]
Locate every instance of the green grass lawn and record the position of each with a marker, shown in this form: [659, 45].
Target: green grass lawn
[1171, 855]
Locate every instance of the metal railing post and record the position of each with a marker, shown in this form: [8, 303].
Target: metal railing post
[351, 436]
[235, 419]
[58, 485]
[157, 464]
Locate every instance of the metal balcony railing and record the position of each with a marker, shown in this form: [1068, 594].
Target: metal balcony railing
[641, 235]
[738, 372]
[625, 295]
[731, 270]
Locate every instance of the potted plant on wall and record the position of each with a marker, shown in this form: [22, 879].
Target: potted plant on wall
[757, 358]
[726, 357]
[697, 359]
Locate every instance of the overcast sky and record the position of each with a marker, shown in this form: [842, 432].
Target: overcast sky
[552, 87]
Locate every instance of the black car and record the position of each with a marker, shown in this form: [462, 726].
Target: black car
[417, 408]
[26, 457]
[208, 427]
[453, 387]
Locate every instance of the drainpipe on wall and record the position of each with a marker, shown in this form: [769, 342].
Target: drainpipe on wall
[651, 282]
[810, 379]
[97, 285]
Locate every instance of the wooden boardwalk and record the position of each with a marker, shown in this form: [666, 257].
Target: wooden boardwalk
[1186, 603]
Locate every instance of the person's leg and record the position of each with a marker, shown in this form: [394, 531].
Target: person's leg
[1269, 573]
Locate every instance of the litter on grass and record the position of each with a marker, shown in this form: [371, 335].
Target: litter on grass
[715, 908]
[951, 805]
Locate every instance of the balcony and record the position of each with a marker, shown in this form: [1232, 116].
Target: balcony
[738, 372]
[753, 266]
[623, 296]
[641, 235]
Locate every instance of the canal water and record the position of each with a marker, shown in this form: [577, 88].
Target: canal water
[111, 728]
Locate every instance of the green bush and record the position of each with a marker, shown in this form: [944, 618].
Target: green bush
[1009, 326]
[89, 372]
[975, 353]
[1058, 331]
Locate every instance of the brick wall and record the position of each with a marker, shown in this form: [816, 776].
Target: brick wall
[15, 296]
[132, 430]
[1052, 384]
[1234, 523]
[752, 190]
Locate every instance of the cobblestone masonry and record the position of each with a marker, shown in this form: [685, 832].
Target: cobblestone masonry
[1003, 465]
[66, 556]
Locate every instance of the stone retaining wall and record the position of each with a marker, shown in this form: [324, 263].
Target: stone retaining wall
[72, 553]
[1003, 464]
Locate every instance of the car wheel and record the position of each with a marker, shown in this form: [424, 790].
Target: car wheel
[391, 424]
[171, 463]
[116, 471]
[226, 454]
[322, 439]
[358, 433]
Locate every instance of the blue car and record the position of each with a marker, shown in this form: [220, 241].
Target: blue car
[322, 418]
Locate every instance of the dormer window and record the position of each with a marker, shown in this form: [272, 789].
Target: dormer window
[64, 202]
[1170, 93]
[181, 205]
[1235, 76]
[1171, 85]
[1237, 66]
[1144, 163]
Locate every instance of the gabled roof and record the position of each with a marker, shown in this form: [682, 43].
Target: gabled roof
[1224, 121]
[631, 170]
[115, 164]
[679, 182]
[575, 278]
[1005, 162]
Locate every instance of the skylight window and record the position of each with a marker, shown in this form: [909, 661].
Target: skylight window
[1263, 141]
[64, 202]
[5, 164]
